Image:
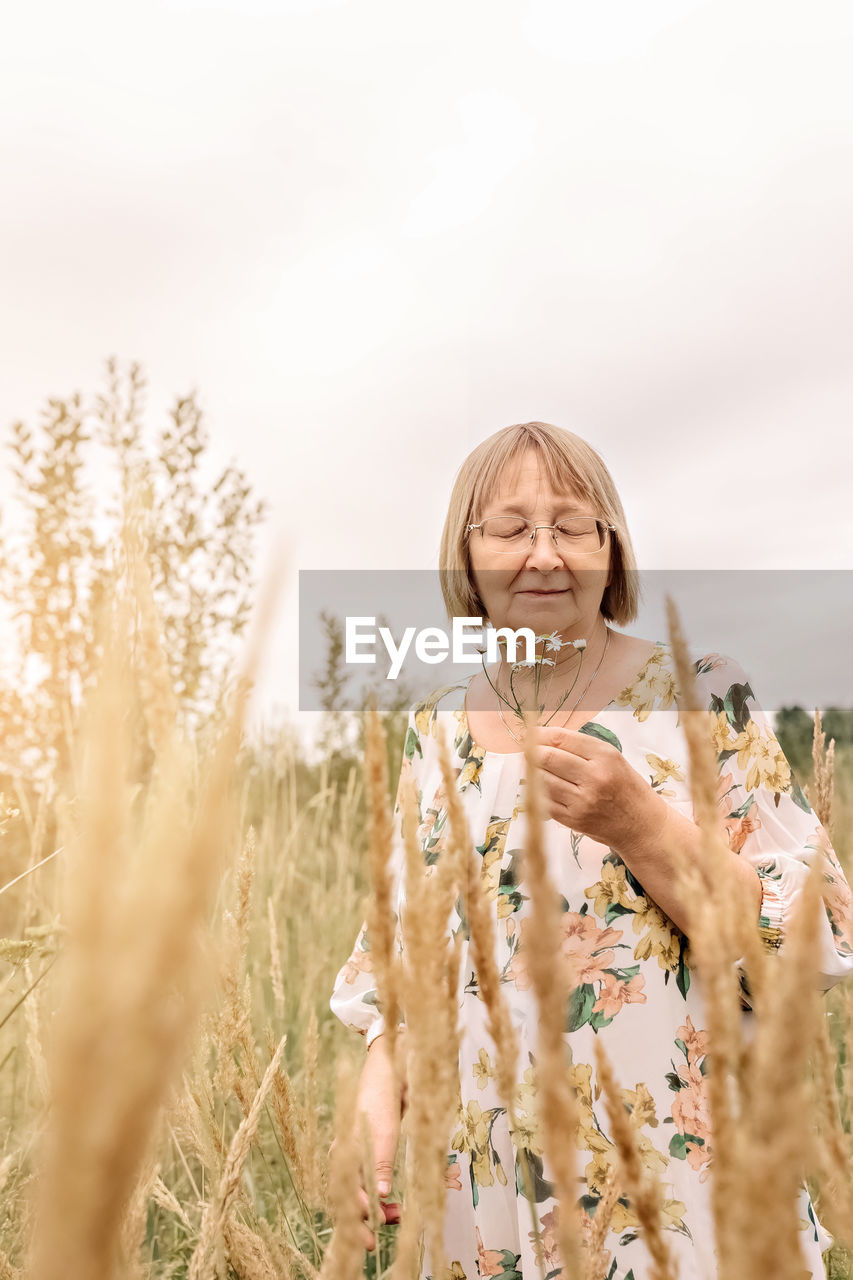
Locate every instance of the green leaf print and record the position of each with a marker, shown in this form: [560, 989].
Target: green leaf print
[615, 909]
[509, 1261]
[463, 928]
[580, 1006]
[542, 1188]
[413, 744]
[734, 706]
[799, 798]
[682, 977]
[598, 731]
[743, 809]
[678, 1146]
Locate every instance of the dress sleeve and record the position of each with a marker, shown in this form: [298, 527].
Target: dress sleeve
[354, 997]
[769, 820]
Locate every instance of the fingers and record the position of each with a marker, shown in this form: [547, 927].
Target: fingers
[384, 1174]
[562, 763]
[571, 741]
[390, 1214]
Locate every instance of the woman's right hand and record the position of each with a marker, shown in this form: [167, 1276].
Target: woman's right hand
[383, 1107]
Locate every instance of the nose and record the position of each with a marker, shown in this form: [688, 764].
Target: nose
[543, 553]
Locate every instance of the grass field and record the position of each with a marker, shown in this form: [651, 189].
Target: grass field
[167, 1055]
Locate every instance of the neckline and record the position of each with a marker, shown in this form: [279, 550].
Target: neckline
[482, 751]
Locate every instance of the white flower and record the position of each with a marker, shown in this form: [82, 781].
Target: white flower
[579, 644]
[553, 642]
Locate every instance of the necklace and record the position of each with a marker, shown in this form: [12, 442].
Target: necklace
[576, 704]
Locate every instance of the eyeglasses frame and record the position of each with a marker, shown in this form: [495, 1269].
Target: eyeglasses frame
[611, 528]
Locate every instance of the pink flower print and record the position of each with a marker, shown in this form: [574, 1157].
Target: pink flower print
[489, 1261]
[614, 993]
[737, 829]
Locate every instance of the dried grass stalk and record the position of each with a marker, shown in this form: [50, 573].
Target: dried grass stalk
[833, 1155]
[286, 1117]
[481, 927]
[248, 1252]
[821, 791]
[217, 1211]
[344, 1258]
[139, 894]
[553, 979]
[596, 1257]
[275, 962]
[643, 1189]
[779, 1146]
[483, 939]
[313, 1173]
[381, 920]
[755, 1218]
[233, 1025]
[430, 998]
[721, 930]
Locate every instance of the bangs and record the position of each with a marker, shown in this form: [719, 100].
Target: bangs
[503, 469]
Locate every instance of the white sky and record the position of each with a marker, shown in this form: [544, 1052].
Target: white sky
[372, 233]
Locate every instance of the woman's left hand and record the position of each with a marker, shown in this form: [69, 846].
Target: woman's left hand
[591, 788]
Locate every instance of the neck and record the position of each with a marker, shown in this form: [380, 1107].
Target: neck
[570, 664]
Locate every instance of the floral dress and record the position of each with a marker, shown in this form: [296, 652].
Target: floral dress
[635, 989]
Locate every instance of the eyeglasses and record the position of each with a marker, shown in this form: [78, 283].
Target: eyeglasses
[578, 535]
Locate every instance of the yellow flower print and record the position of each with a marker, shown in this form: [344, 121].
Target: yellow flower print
[672, 1213]
[623, 1218]
[483, 1069]
[721, 731]
[612, 887]
[642, 1105]
[603, 1151]
[473, 1136]
[652, 1159]
[663, 769]
[581, 1078]
[659, 937]
[493, 851]
[506, 906]
[454, 1272]
[471, 769]
[762, 753]
[655, 687]
[527, 1131]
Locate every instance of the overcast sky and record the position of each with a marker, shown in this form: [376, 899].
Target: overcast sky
[372, 233]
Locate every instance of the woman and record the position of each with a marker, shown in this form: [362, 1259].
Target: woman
[535, 536]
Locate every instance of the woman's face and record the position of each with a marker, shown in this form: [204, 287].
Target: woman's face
[512, 586]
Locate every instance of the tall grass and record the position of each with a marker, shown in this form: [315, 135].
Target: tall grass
[170, 1071]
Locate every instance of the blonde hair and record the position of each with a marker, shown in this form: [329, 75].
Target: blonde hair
[568, 463]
